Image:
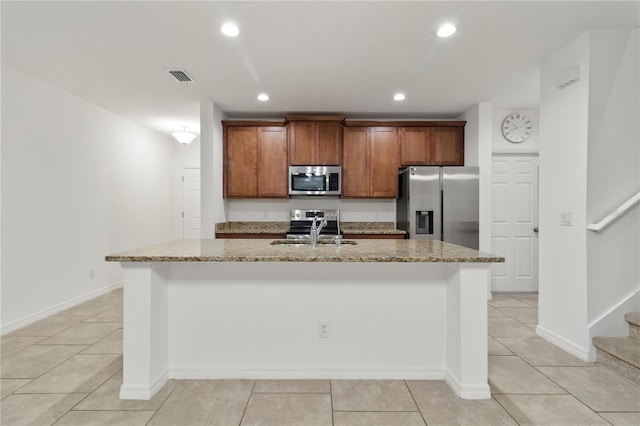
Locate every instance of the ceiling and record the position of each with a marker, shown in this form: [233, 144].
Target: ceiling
[330, 57]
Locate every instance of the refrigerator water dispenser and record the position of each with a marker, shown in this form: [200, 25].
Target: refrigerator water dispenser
[424, 221]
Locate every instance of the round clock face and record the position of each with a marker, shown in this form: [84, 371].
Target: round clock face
[517, 127]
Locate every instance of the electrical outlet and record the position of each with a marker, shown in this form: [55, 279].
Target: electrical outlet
[566, 218]
[92, 273]
[323, 329]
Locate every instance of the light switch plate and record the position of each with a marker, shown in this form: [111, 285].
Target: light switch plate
[566, 218]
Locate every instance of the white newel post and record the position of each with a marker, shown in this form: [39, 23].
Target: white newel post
[467, 357]
[145, 342]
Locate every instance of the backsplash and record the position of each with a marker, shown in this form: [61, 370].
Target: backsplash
[278, 210]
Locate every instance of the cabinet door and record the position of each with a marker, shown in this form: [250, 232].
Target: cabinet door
[384, 162]
[241, 162]
[329, 147]
[355, 162]
[302, 143]
[415, 146]
[447, 146]
[272, 162]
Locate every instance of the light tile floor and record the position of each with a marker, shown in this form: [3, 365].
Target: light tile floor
[67, 370]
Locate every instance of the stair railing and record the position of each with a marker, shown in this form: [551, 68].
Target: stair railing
[620, 211]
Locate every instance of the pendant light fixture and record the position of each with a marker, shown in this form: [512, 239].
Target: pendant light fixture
[184, 137]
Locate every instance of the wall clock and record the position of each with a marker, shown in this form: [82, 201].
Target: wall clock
[517, 127]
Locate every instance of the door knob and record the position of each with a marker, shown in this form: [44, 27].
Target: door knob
[536, 230]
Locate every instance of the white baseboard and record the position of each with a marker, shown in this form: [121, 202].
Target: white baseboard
[47, 312]
[142, 391]
[469, 391]
[564, 344]
[304, 372]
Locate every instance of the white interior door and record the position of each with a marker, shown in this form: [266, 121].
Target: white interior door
[191, 203]
[514, 223]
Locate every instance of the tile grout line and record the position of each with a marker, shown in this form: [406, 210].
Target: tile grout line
[246, 406]
[333, 421]
[378, 411]
[505, 409]
[92, 392]
[103, 339]
[415, 402]
[155, 412]
[51, 369]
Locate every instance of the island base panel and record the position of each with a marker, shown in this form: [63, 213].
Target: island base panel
[206, 320]
[145, 330]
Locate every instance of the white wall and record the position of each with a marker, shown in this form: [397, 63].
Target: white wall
[78, 183]
[588, 164]
[563, 173]
[213, 206]
[613, 171]
[478, 135]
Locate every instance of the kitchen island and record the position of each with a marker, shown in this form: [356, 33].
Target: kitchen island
[377, 309]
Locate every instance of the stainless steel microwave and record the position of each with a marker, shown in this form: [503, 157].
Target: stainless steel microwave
[315, 180]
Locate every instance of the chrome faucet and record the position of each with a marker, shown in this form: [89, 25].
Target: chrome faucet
[315, 229]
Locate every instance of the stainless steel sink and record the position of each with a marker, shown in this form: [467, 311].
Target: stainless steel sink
[308, 242]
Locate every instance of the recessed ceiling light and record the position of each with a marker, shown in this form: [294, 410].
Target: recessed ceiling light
[399, 97]
[263, 97]
[230, 30]
[446, 30]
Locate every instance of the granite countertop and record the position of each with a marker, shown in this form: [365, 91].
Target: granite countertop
[370, 228]
[282, 227]
[252, 227]
[252, 250]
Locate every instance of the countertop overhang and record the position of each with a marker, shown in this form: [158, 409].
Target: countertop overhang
[252, 250]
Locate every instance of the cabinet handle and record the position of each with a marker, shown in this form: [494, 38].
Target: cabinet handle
[536, 230]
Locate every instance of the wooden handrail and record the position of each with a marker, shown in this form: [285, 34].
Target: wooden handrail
[597, 227]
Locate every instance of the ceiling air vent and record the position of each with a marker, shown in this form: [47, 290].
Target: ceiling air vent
[180, 75]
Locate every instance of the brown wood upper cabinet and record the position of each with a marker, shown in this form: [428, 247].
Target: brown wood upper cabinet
[432, 143]
[447, 146]
[415, 146]
[369, 162]
[315, 140]
[255, 159]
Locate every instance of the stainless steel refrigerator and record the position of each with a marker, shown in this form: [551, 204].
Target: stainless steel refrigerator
[439, 203]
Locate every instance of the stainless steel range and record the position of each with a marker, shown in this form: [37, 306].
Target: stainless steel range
[301, 222]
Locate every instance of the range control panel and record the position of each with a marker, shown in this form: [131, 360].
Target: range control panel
[310, 214]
